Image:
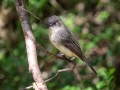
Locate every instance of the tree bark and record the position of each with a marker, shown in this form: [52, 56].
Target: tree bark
[30, 45]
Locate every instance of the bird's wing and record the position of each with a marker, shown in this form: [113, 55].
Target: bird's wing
[70, 42]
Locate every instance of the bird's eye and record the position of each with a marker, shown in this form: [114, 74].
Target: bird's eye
[55, 23]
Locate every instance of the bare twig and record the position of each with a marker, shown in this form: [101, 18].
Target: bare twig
[62, 70]
[30, 45]
[59, 56]
[29, 87]
[31, 14]
[44, 50]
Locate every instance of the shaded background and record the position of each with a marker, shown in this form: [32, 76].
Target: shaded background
[96, 24]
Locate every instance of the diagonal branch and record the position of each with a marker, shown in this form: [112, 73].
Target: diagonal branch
[30, 45]
[59, 56]
[62, 70]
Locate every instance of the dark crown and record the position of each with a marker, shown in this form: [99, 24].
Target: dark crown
[52, 20]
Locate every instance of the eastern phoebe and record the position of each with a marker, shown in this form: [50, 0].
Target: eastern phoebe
[64, 40]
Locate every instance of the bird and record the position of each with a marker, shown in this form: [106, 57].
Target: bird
[64, 40]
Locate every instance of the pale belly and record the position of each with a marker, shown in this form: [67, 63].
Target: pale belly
[60, 47]
[64, 50]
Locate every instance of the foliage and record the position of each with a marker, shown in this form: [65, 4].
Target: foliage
[94, 22]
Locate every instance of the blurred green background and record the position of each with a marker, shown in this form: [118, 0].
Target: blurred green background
[96, 24]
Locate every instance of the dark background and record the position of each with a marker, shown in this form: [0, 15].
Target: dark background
[96, 24]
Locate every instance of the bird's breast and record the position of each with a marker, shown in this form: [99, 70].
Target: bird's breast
[55, 40]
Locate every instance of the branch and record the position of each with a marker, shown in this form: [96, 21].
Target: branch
[30, 45]
[62, 70]
[59, 56]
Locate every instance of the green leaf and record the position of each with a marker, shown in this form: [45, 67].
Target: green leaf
[101, 85]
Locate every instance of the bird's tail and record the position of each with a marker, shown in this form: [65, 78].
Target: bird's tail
[88, 64]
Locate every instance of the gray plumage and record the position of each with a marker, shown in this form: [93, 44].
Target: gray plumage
[61, 35]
